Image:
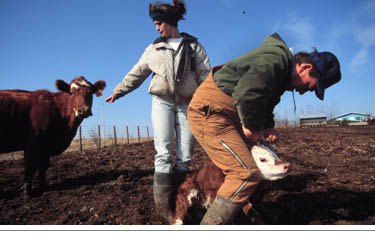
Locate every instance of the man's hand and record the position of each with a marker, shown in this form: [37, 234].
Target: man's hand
[271, 135]
[253, 136]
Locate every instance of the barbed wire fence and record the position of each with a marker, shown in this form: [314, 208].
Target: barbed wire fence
[99, 136]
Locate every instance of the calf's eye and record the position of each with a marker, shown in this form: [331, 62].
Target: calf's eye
[263, 160]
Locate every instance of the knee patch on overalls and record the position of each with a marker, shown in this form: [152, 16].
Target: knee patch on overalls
[246, 177]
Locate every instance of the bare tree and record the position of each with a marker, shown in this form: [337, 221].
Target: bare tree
[94, 135]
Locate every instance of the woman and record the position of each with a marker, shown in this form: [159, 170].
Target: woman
[179, 63]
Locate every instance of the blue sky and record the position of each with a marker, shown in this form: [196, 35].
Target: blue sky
[45, 40]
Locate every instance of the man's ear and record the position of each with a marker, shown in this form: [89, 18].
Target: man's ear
[306, 66]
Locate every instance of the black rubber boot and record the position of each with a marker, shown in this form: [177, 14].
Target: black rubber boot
[222, 211]
[162, 190]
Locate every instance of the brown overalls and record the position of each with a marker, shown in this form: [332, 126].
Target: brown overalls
[217, 127]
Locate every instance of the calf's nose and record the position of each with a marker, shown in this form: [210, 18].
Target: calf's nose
[286, 167]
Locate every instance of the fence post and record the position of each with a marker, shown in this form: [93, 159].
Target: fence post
[148, 134]
[80, 138]
[127, 134]
[99, 141]
[114, 134]
[139, 135]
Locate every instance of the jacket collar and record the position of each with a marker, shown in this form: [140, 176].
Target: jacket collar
[185, 37]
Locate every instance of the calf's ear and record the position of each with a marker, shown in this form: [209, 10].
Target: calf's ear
[62, 86]
[98, 87]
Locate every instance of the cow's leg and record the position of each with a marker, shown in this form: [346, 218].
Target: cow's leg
[42, 179]
[42, 173]
[29, 173]
[27, 186]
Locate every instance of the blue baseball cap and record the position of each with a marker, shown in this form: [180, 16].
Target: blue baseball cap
[329, 68]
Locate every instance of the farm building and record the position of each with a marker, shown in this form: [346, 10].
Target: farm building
[313, 120]
[353, 118]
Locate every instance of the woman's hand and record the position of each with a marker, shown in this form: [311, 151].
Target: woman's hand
[110, 99]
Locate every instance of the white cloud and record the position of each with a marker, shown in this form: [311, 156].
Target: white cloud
[367, 8]
[302, 32]
[367, 37]
[365, 55]
[361, 58]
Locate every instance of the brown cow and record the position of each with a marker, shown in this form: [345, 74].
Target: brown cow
[44, 123]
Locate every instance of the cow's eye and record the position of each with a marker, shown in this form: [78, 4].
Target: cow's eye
[263, 160]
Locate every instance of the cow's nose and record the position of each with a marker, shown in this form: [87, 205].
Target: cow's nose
[84, 112]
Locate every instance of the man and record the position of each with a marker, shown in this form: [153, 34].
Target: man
[234, 108]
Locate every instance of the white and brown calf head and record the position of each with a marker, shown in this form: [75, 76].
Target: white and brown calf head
[269, 164]
[80, 92]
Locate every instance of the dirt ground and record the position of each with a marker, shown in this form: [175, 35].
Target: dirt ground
[332, 182]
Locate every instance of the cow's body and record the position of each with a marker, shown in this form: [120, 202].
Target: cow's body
[43, 123]
[200, 187]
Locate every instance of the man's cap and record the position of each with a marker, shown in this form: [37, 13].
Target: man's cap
[329, 68]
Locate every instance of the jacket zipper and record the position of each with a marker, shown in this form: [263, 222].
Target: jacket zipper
[174, 53]
[174, 75]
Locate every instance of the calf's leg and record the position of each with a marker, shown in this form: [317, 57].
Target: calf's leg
[185, 197]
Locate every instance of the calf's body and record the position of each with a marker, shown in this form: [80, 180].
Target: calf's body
[199, 188]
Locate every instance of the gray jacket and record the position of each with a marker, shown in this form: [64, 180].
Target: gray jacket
[163, 61]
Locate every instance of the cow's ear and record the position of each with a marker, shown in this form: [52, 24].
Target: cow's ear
[98, 87]
[62, 86]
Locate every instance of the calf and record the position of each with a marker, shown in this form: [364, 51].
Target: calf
[43, 123]
[199, 188]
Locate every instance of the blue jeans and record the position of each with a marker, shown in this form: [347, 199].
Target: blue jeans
[169, 120]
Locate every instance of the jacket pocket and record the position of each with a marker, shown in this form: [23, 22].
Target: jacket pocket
[159, 86]
[217, 122]
[188, 85]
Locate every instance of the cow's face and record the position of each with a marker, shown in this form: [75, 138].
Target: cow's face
[80, 91]
[269, 164]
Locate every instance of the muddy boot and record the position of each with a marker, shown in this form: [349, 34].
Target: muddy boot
[222, 211]
[162, 190]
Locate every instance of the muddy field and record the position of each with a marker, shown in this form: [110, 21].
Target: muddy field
[332, 182]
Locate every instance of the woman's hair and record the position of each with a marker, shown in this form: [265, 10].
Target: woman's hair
[304, 57]
[169, 13]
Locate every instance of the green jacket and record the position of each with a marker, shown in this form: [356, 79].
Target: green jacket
[257, 80]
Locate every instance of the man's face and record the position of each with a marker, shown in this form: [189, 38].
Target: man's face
[163, 28]
[302, 81]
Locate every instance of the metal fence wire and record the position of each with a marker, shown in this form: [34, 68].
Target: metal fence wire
[98, 136]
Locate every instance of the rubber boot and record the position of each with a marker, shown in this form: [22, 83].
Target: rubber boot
[222, 211]
[162, 190]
